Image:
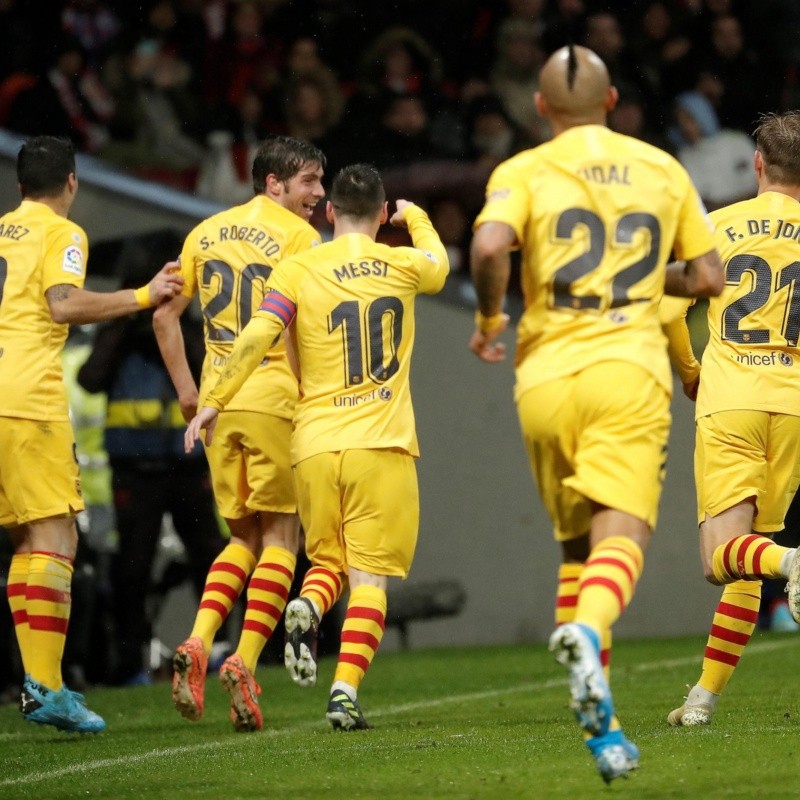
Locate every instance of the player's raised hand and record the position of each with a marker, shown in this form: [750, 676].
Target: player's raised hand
[398, 218]
[206, 419]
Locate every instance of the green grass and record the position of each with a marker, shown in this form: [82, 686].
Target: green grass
[449, 723]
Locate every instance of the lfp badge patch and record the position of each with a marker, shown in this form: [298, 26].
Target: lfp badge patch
[73, 261]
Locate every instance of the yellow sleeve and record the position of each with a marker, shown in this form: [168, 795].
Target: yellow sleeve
[679, 343]
[508, 199]
[66, 255]
[188, 272]
[695, 234]
[433, 262]
[248, 352]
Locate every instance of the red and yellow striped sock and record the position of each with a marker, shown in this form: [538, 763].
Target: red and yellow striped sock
[15, 591]
[567, 592]
[267, 593]
[734, 622]
[567, 603]
[48, 600]
[227, 577]
[608, 581]
[748, 557]
[362, 632]
[324, 587]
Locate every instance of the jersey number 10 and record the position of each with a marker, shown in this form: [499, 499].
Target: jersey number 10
[378, 325]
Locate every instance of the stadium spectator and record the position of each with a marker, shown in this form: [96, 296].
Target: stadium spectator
[314, 106]
[357, 531]
[514, 76]
[42, 295]
[159, 120]
[246, 58]
[718, 160]
[733, 78]
[748, 411]
[659, 45]
[492, 135]
[597, 458]
[95, 25]
[70, 101]
[250, 466]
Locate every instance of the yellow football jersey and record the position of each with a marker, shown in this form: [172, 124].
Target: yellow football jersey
[597, 215]
[752, 358]
[227, 259]
[38, 249]
[352, 302]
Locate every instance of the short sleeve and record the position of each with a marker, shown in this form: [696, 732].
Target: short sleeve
[507, 199]
[695, 231]
[65, 258]
[188, 271]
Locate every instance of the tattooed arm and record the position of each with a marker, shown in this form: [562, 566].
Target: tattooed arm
[75, 306]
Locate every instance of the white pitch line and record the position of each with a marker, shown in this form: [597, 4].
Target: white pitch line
[238, 741]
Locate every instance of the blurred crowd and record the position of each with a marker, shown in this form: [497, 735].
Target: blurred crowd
[433, 93]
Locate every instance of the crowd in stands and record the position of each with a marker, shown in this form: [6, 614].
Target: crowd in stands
[435, 94]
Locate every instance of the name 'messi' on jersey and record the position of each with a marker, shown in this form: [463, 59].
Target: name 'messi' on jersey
[353, 269]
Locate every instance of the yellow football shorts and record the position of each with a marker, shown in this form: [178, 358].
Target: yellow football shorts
[741, 454]
[359, 508]
[39, 475]
[598, 435]
[249, 463]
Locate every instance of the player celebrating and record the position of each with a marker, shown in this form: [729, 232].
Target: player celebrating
[747, 453]
[354, 444]
[42, 270]
[227, 260]
[596, 215]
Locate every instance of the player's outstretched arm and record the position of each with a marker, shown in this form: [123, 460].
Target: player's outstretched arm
[76, 306]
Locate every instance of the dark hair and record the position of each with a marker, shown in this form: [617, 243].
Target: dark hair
[778, 140]
[283, 157]
[43, 165]
[358, 192]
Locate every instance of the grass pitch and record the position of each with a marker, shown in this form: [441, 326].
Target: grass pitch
[448, 723]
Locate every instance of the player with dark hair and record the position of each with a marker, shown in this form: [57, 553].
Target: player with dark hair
[226, 260]
[43, 259]
[350, 305]
[596, 215]
[747, 453]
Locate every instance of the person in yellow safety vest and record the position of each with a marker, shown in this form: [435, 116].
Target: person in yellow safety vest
[150, 474]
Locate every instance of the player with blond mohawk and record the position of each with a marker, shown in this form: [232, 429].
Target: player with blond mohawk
[596, 216]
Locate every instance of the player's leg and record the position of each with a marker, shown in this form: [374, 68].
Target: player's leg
[598, 460]
[380, 522]
[749, 461]
[46, 538]
[319, 504]
[229, 572]
[735, 446]
[266, 441]
[575, 552]
[267, 594]
[226, 580]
